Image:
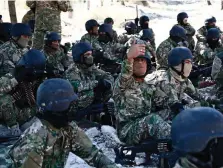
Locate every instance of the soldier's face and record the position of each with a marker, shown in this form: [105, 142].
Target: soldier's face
[55, 44]
[187, 67]
[95, 30]
[185, 20]
[139, 66]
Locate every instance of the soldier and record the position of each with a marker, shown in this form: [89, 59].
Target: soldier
[170, 86]
[47, 18]
[202, 32]
[57, 60]
[177, 38]
[115, 35]
[199, 142]
[131, 30]
[133, 98]
[206, 51]
[30, 15]
[5, 32]
[12, 51]
[52, 130]
[144, 24]
[91, 37]
[18, 99]
[190, 31]
[89, 82]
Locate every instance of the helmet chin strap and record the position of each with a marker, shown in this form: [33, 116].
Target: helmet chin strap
[181, 73]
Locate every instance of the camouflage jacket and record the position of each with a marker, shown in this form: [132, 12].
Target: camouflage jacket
[112, 51]
[204, 54]
[202, 32]
[115, 36]
[10, 53]
[217, 70]
[28, 16]
[184, 163]
[7, 83]
[42, 145]
[10, 114]
[84, 80]
[162, 52]
[93, 40]
[56, 59]
[135, 100]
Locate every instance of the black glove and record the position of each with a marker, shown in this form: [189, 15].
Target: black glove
[176, 108]
[98, 56]
[22, 74]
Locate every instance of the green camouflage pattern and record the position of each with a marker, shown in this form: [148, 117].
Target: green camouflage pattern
[47, 18]
[42, 145]
[84, 80]
[10, 53]
[162, 52]
[204, 54]
[184, 163]
[92, 39]
[133, 101]
[28, 16]
[202, 32]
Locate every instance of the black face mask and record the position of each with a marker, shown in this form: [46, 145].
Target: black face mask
[145, 26]
[176, 39]
[104, 38]
[210, 26]
[212, 43]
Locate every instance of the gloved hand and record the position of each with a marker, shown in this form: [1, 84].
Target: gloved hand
[15, 131]
[176, 108]
[98, 56]
[104, 84]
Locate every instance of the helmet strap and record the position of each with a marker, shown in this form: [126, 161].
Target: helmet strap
[181, 73]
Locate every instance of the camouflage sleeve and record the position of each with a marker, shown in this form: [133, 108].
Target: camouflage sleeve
[217, 69]
[7, 83]
[65, 6]
[29, 150]
[153, 43]
[161, 54]
[203, 51]
[122, 39]
[28, 16]
[190, 30]
[83, 147]
[115, 36]
[200, 36]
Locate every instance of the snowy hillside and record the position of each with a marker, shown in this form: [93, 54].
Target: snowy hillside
[162, 13]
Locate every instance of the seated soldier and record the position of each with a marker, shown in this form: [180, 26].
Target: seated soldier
[115, 35]
[190, 31]
[57, 60]
[206, 51]
[133, 101]
[170, 86]
[177, 38]
[91, 37]
[18, 100]
[92, 85]
[202, 32]
[200, 143]
[51, 137]
[12, 51]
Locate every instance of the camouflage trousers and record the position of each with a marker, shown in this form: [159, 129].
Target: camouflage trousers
[151, 126]
[5, 161]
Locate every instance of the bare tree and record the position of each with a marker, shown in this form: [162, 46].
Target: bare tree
[102, 2]
[221, 4]
[12, 11]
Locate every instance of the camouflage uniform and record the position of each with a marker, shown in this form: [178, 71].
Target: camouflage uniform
[10, 53]
[92, 39]
[84, 80]
[168, 91]
[190, 32]
[56, 59]
[162, 52]
[124, 38]
[204, 54]
[30, 15]
[133, 101]
[10, 114]
[184, 163]
[114, 36]
[202, 32]
[47, 18]
[42, 145]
